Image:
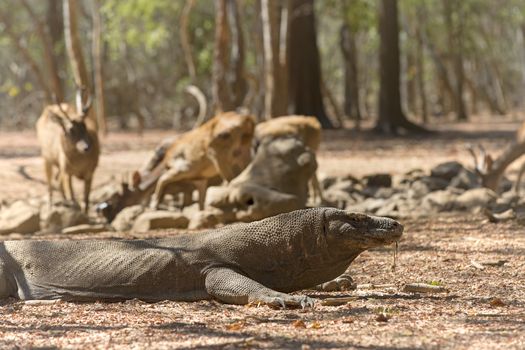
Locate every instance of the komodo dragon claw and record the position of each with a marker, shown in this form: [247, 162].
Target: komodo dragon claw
[292, 300]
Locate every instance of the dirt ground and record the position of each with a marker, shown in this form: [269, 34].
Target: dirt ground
[484, 307]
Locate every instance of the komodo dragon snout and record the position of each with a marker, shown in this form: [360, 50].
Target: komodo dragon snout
[361, 230]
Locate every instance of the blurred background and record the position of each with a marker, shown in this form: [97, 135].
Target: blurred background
[456, 60]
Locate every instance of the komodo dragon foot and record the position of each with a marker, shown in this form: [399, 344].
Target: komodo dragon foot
[232, 287]
[341, 283]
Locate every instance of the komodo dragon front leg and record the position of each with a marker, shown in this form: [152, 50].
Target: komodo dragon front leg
[232, 287]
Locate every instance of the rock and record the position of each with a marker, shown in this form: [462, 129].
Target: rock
[206, 219]
[339, 199]
[438, 201]
[425, 185]
[475, 198]
[465, 180]
[369, 205]
[125, 218]
[379, 192]
[447, 170]
[378, 180]
[19, 217]
[412, 176]
[159, 219]
[102, 193]
[85, 228]
[61, 215]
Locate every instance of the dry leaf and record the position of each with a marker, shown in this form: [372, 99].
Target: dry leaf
[382, 317]
[235, 326]
[497, 302]
[423, 288]
[337, 301]
[315, 325]
[299, 324]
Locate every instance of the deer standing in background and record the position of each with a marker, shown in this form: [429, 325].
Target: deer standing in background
[69, 142]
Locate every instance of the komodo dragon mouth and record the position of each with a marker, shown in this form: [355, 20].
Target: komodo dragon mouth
[361, 230]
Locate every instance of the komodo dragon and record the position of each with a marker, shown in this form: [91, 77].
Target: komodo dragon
[238, 264]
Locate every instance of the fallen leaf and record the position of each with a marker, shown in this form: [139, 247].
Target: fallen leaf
[315, 325]
[423, 288]
[299, 324]
[337, 301]
[497, 302]
[382, 317]
[235, 326]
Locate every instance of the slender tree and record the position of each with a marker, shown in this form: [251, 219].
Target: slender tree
[391, 117]
[229, 84]
[351, 94]
[304, 63]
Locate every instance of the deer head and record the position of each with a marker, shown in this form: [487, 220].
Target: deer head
[73, 124]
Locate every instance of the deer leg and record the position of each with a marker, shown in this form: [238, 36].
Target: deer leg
[201, 186]
[87, 189]
[187, 196]
[518, 180]
[48, 169]
[170, 176]
[67, 187]
[317, 193]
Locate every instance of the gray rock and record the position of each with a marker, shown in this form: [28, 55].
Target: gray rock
[208, 218]
[158, 220]
[124, 220]
[475, 199]
[378, 180]
[438, 201]
[369, 205]
[447, 170]
[465, 180]
[19, 217]
[60, 216]
[337, 198]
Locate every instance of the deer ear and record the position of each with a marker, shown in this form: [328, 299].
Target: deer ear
[63, 122]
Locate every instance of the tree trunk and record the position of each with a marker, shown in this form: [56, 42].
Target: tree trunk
[455, 43]
[55, 28]
[98, 67]
[184, 39]
[274, 23]
[229, 85]
[73, 45]
[304, 63]
[49, 58]
[420, 75]
[351, 94]
[391, 116]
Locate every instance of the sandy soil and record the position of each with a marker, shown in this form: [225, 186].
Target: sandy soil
[483, 308]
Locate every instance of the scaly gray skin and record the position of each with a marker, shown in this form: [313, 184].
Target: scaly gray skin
[255, 262]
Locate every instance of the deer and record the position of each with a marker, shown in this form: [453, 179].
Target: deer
[68, 142]
[214, 152]
[306, 128]
[491, 170]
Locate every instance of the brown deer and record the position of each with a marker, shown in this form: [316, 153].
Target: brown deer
[307, 129]
[70, 143]
[491, 170]
[217, 150]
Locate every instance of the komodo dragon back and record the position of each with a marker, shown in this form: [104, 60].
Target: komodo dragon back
[255, 262]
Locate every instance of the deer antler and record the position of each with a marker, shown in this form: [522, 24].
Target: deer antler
[484, 166]
[82, 109]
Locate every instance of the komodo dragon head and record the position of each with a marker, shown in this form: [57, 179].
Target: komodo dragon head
[361, 231]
